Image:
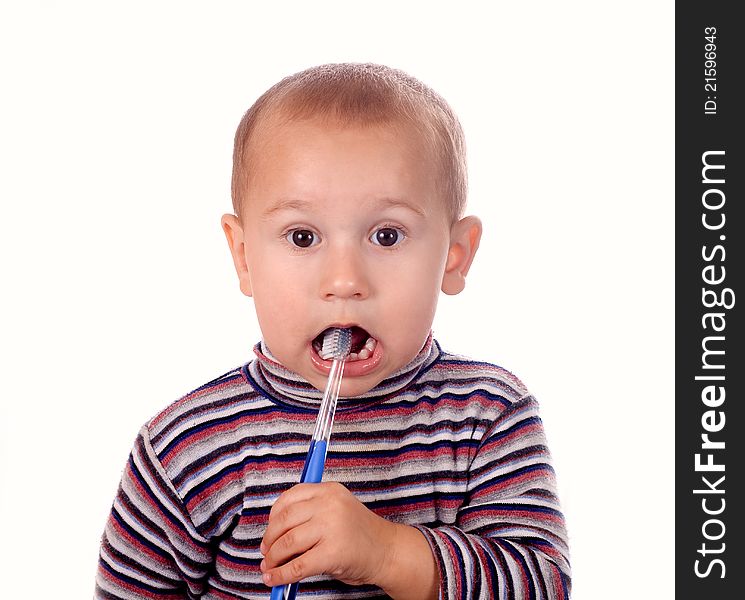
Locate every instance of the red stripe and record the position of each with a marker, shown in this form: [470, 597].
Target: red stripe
[140, 592]
[165, 522]
[134, 542]
[189, 397]
[220, 428]
[451, 547]
[538, 475]
[484, 558]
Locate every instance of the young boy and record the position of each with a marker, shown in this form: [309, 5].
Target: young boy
[349, 185]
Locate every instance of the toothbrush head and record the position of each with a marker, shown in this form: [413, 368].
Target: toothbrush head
[337, 344]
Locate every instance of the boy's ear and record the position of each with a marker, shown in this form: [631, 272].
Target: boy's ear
[233, 229]
[465, 236]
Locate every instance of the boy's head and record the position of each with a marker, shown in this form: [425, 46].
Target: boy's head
[349, 183]
[360, 95]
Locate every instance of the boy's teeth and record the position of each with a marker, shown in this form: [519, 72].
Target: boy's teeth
[364, 353]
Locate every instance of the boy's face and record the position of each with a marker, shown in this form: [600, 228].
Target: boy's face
[344, 226]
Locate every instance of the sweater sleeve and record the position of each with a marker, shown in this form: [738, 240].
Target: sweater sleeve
[150, 548]
[509, 540]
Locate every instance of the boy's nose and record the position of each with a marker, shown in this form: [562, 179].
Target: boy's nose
[344, 276]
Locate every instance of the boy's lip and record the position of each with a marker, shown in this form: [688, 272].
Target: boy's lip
[339, 326]
[351, 368]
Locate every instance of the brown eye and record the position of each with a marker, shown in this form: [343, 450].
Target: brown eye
[302, 238]
[387, 236]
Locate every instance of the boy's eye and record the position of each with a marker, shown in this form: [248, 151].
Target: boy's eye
[302, 238]
[387, 236]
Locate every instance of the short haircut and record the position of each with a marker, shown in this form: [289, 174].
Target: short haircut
[360, 94]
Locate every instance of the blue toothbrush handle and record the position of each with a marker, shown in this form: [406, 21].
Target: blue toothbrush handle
[312, 473]
[278, 592]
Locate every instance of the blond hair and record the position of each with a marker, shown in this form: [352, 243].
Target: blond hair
[360, 94]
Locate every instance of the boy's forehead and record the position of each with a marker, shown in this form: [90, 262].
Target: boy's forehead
[277, 137]
[298, 168]
[315, 139]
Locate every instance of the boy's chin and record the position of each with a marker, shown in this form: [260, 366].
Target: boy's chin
[350, 386]
[356, 386]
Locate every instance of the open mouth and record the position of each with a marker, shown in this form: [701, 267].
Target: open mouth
[363, 344]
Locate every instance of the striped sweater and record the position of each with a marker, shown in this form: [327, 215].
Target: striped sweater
[451, 446]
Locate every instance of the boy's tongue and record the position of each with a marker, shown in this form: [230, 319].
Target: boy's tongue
[359, 337]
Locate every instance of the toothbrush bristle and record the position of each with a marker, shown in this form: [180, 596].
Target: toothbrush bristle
[337, 344]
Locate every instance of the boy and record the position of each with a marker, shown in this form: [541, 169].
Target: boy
[348, 189]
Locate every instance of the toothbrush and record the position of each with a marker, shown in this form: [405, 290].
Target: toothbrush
[337, 344]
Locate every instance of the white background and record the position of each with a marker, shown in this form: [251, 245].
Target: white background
[118, 294]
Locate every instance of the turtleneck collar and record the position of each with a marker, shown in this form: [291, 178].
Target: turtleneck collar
[279, 383]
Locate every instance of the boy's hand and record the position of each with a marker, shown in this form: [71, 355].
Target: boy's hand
[317, 528]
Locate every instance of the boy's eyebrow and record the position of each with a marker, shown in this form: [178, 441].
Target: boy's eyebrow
[396, 202]
[296, 204]
[289, 204]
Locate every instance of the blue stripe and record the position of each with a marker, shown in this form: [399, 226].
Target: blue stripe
[136, 582]
[519, 558]
[184, 435]
[167, 513]
[136, 534]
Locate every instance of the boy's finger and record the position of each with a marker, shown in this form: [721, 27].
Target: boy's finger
[293, 543]
[297, 493]
[283, 519]
[303, 491]
[298, 568]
